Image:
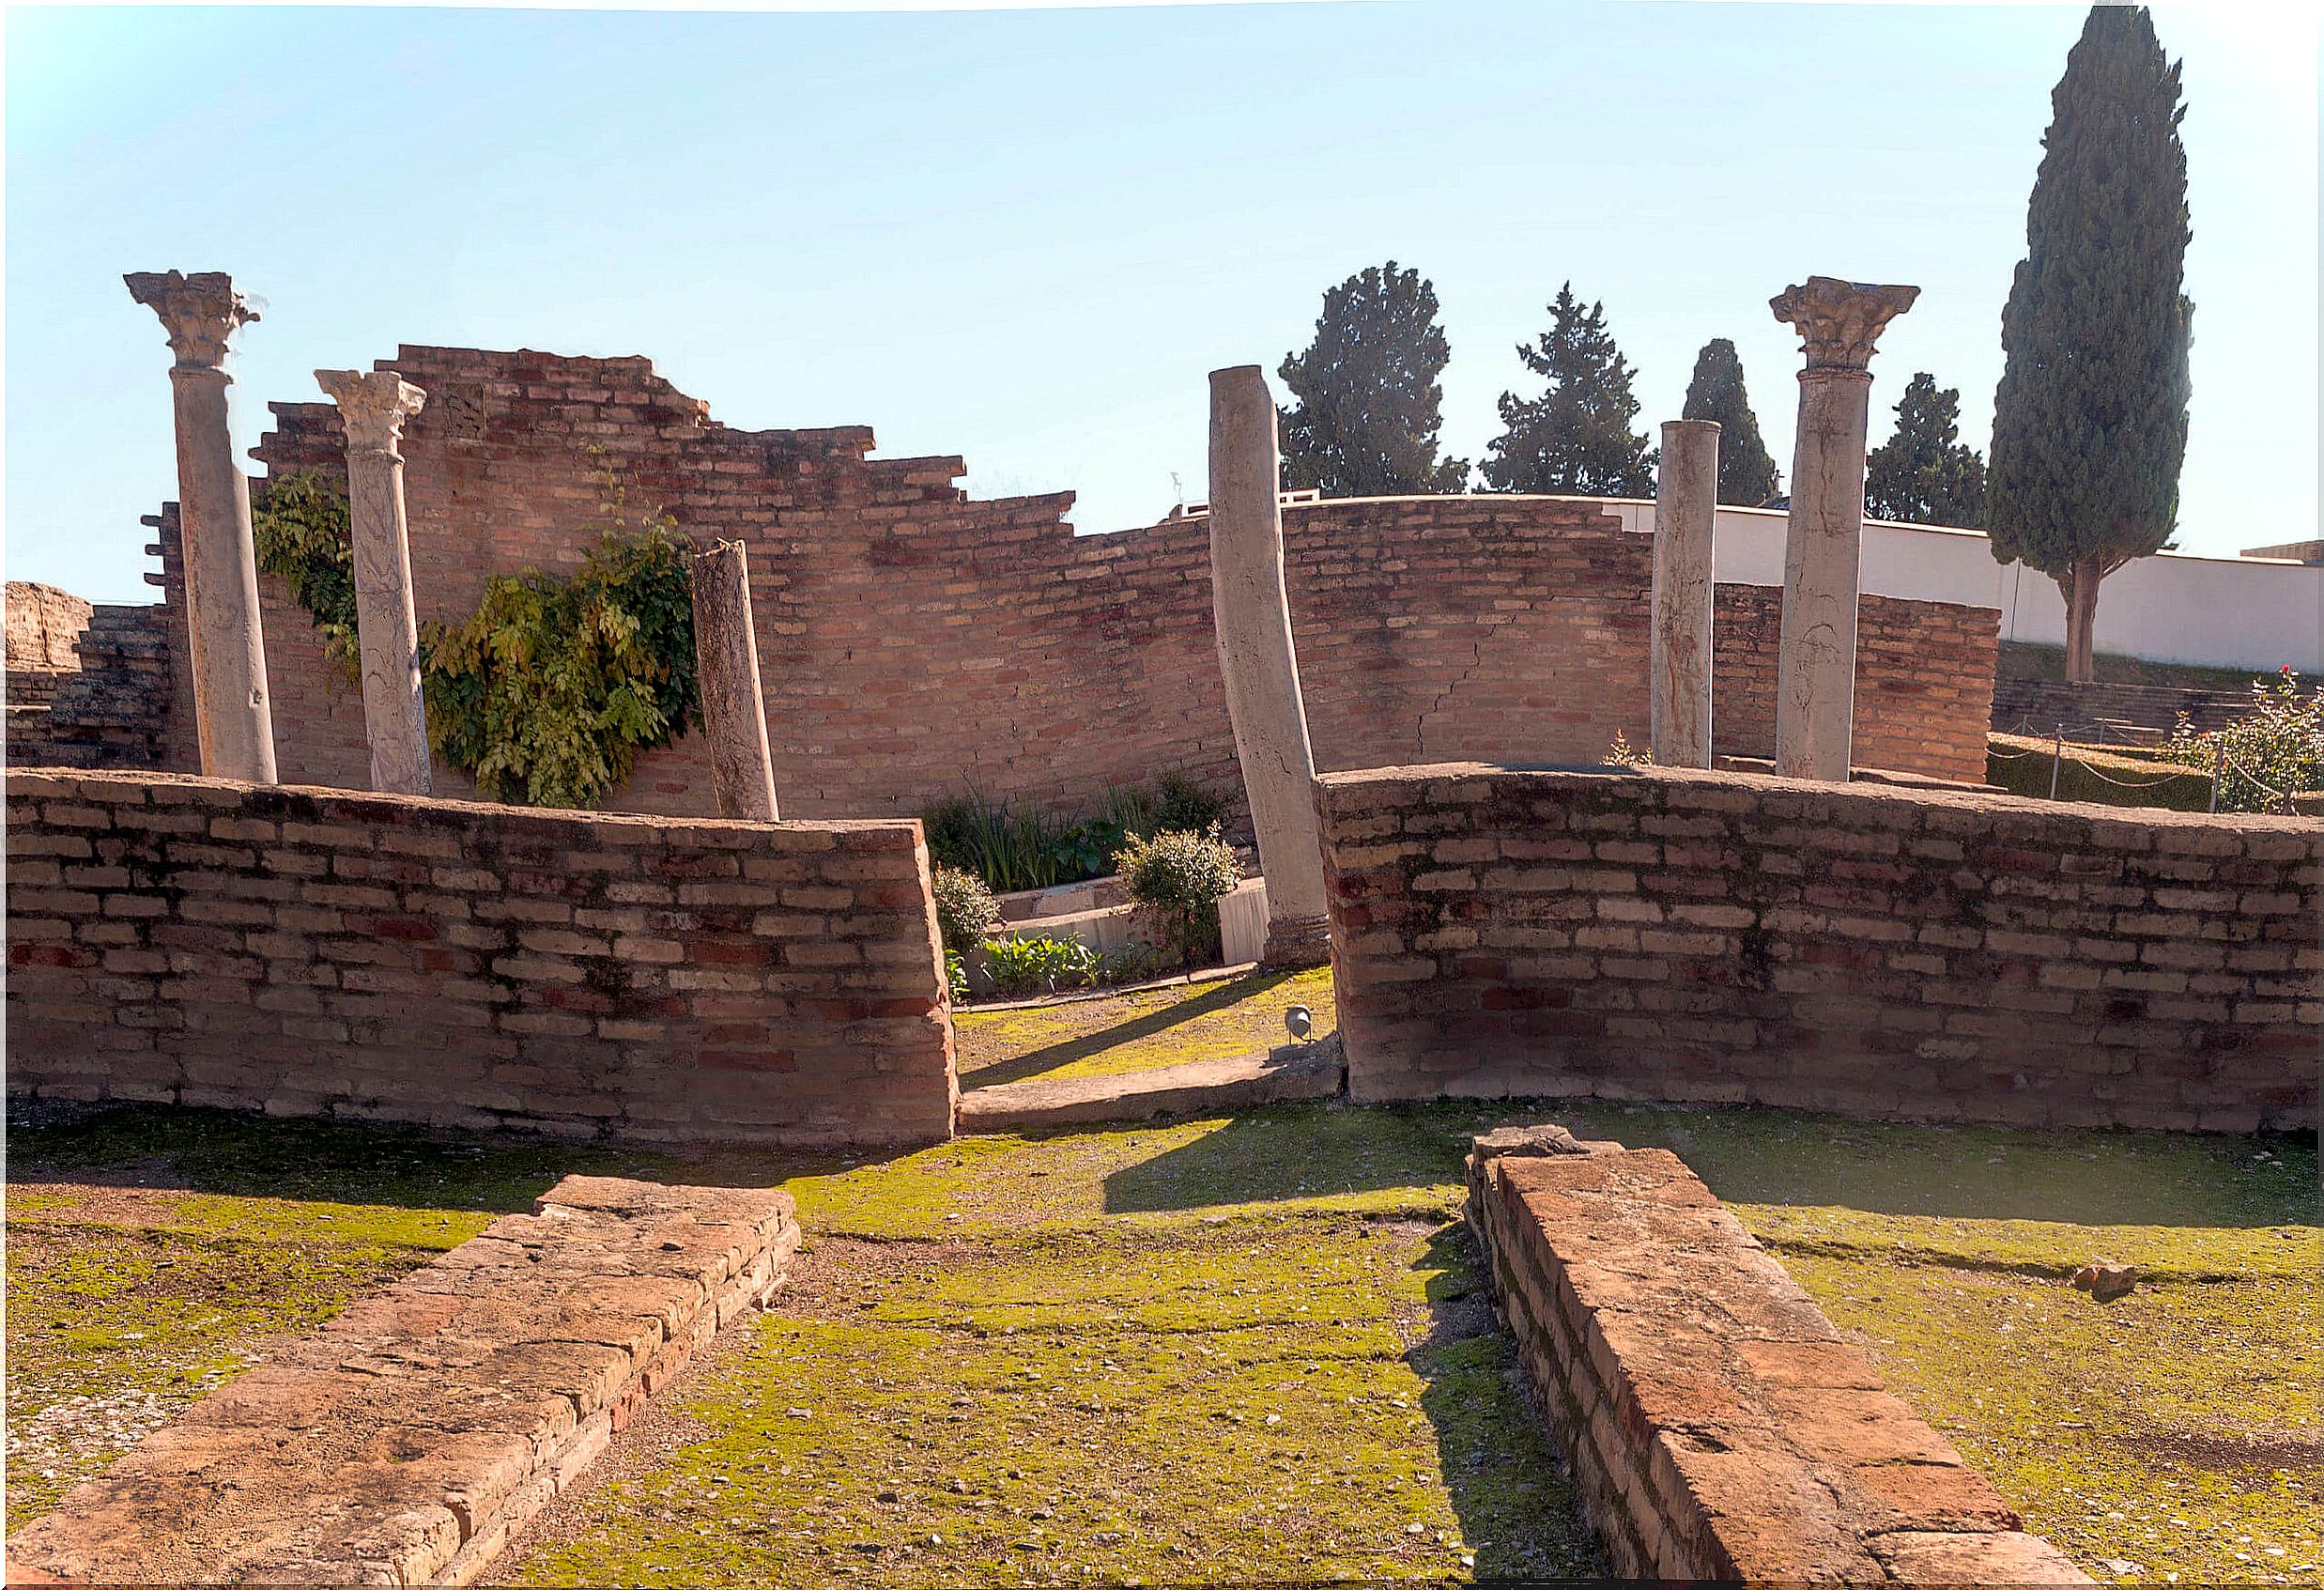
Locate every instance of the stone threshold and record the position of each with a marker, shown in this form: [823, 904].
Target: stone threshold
[1285, 1075]
[407, 1440]
[1720, 1427]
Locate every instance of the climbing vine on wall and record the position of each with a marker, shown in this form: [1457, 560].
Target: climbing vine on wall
[548, 692]
[301, 527]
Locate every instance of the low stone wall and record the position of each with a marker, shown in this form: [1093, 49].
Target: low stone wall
[1878, 952]
[44, 626]
[1718, 1426]
[409, 1439]
[309, 952]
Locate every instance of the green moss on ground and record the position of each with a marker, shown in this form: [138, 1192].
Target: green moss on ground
[1301, 1396]
[968, 1269]
[1118, 1034]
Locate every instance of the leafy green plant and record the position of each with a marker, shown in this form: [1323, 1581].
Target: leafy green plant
[955, 976]
[1014, 848]
[964, 907]
[299, 524]
[1178, 878]
[548, 692]
[2278, 749]
[1022, 967]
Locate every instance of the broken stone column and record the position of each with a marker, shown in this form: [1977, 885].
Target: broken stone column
[1816, 658]
[1253, 616]
[373, 404]
[233, 718]
[726, 664]
[1685, 509]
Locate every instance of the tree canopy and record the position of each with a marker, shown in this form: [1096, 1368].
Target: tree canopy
[1923, 474]
[1747, 475]
[1367, 406]
[1575, 439]
[2090, 416]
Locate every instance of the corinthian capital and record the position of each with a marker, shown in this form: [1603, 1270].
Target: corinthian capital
[373, 404]
[199, 311]
[1839, 321]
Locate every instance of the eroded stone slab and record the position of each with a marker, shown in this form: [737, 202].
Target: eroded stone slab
[404, 1441]
[1720, 1427]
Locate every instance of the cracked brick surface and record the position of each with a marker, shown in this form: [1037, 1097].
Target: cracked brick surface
[404, 1441]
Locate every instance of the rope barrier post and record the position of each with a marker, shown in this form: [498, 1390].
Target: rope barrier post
[2218, 771]
[2058, 760]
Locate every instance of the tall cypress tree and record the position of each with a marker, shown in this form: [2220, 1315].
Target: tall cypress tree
[1575, 439]
[1367, 404]
[1922, 474]
[1747, 475]
[2090, 417]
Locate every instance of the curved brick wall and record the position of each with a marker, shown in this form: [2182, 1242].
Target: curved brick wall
[916, 643]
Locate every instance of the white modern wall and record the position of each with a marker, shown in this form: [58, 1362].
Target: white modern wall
[2229, 612]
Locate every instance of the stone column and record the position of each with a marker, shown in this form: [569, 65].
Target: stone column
[373, 404]
[1253, 616]
[1816, 659]
[233, 716]
[1685, 508]
[726, 664]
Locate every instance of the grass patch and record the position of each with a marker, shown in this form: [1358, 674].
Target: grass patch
[2022, 763]
[1122, 1310]
[2024, 659]
[1125, 1033]
[1291, 1397]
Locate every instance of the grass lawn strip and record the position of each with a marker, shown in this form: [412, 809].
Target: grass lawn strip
[1141, 1031]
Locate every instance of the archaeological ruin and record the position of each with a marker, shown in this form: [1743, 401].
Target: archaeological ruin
[239, 881]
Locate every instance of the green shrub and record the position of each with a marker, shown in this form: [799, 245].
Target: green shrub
[964, 907]
[1014, 848]
[2277, 751]
[955, 976]
[300, 526]
[1023, 967]
[1179, 878]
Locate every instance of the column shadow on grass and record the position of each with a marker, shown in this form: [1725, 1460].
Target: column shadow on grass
[1052, 1056]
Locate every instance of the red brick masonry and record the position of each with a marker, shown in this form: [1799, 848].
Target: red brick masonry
[309, 951]
[1720, 1427]
[403, 1442]
[917, 643]
[1878, 952]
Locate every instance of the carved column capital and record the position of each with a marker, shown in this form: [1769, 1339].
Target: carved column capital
[199, 311]
[373, 404]
[1839, 321]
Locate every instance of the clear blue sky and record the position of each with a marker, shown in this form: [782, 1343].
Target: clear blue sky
[1025, 236]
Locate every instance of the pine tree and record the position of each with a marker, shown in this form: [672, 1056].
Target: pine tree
[1575, 439]
[1922, 474]
[1747, 475]
[2090, 417]
[1367, 406]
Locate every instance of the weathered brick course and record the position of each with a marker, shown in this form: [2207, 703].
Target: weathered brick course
[1862, 948]
[1720, 1428]
[311, 952]
[916, 644]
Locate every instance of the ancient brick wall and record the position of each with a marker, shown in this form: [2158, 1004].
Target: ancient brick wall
[44, 626]
[1721, 1429]
[1877, 951]
[309, 952]
[916, 644]
[2038, 706]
